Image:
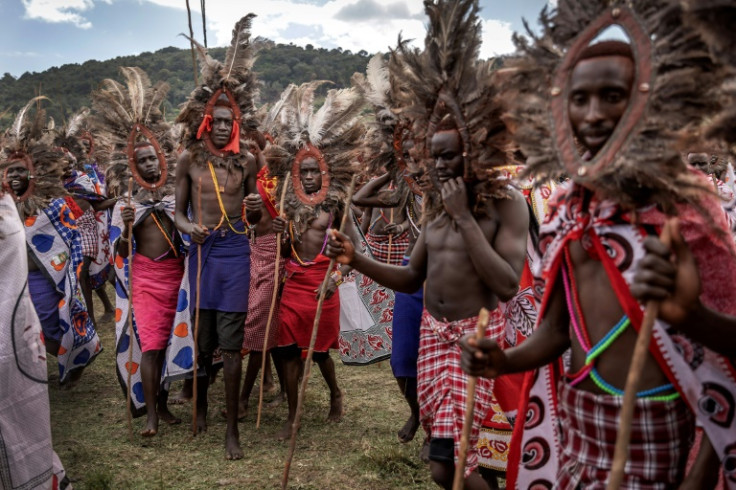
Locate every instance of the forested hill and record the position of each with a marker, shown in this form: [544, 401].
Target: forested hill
[277, 65]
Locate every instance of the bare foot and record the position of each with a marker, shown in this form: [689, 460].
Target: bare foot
[233, 450]
[424, 453]
[336, 408]
[406, 433]
[280, 398]
[201, 421]
[168, 417]
[151, 426]
[73, 379]
[285, 432]
[242, 411]
[184, 396]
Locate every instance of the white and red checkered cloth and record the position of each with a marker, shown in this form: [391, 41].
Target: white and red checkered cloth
[262, 263]
[660, 440]
[442, 385]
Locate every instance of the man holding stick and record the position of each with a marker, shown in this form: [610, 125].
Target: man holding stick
[213, 178]
[592, 241]
[472, 247]
[321, 167]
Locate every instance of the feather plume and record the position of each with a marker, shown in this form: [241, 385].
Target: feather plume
[649, 168]
[235, 75]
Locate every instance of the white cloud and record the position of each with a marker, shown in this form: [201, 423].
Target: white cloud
[355, 25]
[59, 11]
[496, 38]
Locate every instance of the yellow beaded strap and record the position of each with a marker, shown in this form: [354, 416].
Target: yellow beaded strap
[166, 236]
[224, 217]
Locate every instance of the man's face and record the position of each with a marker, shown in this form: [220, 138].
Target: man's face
[447, 152]
[85, 145]
[147, 163]
[17, 178]
[222, 126]
[599, 95]
[310, 175]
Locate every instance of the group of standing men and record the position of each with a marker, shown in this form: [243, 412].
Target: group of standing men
[563, 273]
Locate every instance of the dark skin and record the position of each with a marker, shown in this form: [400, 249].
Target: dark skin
[369, 196]
[599, 97]
[194, 185]
[152, 244]
[468, 263]
[308, 247]
[670, 276]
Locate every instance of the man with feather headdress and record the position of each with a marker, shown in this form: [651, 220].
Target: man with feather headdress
[214, 175]
[152, 281]
[83, 182]
[388, 145]
[319, 149]
[33, 172]
[472, 248]
[626, 104]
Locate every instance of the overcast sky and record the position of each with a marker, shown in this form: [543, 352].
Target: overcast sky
[39, 34]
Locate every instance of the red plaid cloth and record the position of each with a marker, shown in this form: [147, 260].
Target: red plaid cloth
[379, 247]
[661, 435]
[87, 227]
[262, 262]
[442, 385]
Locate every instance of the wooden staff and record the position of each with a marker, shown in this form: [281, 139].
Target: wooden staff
[312, 341]
[390, 236]
[641, 348]
[191, 44]
[458, 481]
[273, 300]
[196, 316]
[131, 334]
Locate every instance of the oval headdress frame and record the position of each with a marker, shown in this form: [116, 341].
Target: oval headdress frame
[20, 156]
[208, 111]
[296, 181]
[582, 171]
[137, 131]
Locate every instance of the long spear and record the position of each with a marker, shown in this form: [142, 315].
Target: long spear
[273, 300]
[458, 481]
[312, 341]
[196, 316]
[623, 437]
[131, 334]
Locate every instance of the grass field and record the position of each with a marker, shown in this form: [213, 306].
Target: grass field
[362, 452]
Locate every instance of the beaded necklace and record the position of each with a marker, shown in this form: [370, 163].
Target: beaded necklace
[591, 353]
[293, 250]
[224, 217]
[166, 235]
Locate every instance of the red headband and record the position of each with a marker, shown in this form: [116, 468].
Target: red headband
[232, 146]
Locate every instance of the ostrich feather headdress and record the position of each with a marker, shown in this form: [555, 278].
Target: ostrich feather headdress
[448, 80]
[386, 132]
[675, 88]
[232, 79]
[330, 135]
[715, 21]
[30, 141]
[127, 115]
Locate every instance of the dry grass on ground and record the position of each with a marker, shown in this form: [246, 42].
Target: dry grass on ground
[362, 452]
